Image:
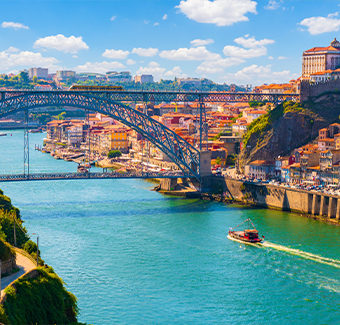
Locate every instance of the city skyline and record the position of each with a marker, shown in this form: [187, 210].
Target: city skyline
[242, 42]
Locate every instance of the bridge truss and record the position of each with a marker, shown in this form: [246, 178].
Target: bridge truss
[92, 175]
[167, 96]
[184, 155]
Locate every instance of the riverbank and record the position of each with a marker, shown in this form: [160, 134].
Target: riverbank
[28, 292]
[313, 205]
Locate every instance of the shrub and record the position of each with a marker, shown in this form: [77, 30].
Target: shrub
[264, 122]
[30, 247]
[7, 225]
[6, 251]
[39, 300]
[114, 154]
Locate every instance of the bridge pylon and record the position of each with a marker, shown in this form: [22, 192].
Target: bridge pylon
[205, 163]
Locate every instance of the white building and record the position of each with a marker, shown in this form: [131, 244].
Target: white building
[144, 78]
[123, 76]
[75, 135]
[189, 81]
[40, 73]
[321, 59]
[253, 115]
[62, 75]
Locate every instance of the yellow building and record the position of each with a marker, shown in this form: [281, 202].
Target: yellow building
[117, 138]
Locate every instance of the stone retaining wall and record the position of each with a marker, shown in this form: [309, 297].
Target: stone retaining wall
[278, 197]
[310, 90]
[7, 266]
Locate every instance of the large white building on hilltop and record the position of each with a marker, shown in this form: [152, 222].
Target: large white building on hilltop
[40, 73]
[144, 78]
[319, 59]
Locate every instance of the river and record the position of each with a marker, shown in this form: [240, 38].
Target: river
[134, 256]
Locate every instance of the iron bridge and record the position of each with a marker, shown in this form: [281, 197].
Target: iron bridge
[110, 103]
[166, 96]
[92, 175]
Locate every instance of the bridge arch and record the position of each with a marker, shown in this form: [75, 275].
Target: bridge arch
[184, 155]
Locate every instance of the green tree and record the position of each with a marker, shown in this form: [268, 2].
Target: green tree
[114, 154]
[5, 202]
[23, 77]
[31, 247]
[35, 79]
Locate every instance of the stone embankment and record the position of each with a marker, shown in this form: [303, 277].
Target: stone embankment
[312, 204]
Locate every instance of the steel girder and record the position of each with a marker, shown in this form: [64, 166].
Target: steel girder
[166, 96]
[185, 156]
[96, 175]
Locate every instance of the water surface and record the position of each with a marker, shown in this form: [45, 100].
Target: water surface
[133, 256]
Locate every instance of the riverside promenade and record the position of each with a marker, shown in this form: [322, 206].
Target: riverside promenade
[313, 204]
[319, 205]
[25, 265]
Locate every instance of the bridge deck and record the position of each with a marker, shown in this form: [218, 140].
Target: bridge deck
[159, 96]
[75, 176]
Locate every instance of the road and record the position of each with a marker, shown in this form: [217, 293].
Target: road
[24, 264]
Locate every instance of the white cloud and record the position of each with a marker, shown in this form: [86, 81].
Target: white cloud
[60, 42]
[218, 65]
[259, 75]
[319, 25]
[273, 5]
[12, 49]
[99, 67]
[281, 58]
[153, 64]
[115, 54]
[156, 24]
[145, 52]
[11, 24]
[176, 71]
[251, 42]
[270, 58]
[253, 48]
[165, 17]
[218, 12]
[26, 59]
[200, 42]
[130, 62]
[146, 21]
[113, 18]
[153, 68]
[238, 52]
[191, 54]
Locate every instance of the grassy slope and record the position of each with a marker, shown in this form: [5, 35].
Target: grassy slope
[39, 300]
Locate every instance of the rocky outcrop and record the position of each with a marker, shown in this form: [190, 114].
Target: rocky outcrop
[293, 129]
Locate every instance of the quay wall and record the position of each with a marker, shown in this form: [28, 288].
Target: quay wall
[310, 90]
[277, 197]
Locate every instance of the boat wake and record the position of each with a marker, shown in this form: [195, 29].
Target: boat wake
[293, 251]
[306, 255]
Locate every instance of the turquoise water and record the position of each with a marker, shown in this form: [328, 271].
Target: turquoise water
[133, 256]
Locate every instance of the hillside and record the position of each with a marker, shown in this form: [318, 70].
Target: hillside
[289, 126]
[39, 298]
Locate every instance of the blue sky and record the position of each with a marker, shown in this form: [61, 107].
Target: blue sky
[231, 41]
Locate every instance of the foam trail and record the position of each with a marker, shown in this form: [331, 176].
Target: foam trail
[306, 255]
[293, 251]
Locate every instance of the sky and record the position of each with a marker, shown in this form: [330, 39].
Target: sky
[227, 41]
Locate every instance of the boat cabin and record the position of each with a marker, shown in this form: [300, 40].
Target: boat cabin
[251, 233]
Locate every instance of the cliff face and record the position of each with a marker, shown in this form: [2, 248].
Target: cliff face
[292, 127]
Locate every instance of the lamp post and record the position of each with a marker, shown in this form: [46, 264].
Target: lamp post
[37, 248]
